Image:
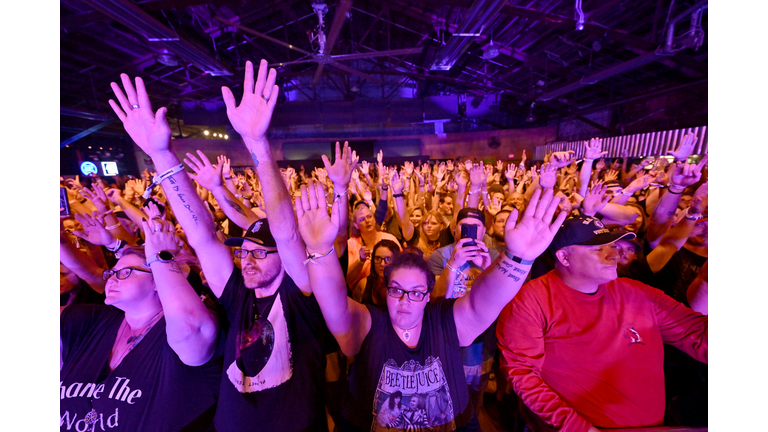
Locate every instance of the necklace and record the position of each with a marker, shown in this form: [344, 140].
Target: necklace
[135, 338]
[407, 332]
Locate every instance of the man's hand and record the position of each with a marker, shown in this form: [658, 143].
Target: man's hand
[464, 251]
[483, 257]
[594, 148]
[364, 166]
[97, 197]
[700, 200]
[611, 175]
[685, 148]
[494, 206]
[148, 130]
[533, 234]
[340, 172]
[396, 182]
[449, 165]
[93, 229]
[595, 199]
[510, 173]
[600, 165]
[477, 175]
[251, 118]
[317, 228]
[548, 176]
[207, 174]
[639, 183]
[688, 174]
[562, 159]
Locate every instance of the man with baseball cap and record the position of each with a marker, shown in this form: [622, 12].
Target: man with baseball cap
[455, 267]
[583, 348]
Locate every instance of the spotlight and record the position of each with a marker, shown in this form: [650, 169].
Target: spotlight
[214, 134]
[226, 136]
[206, 133]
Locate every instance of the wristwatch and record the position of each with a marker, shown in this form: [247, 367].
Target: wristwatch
[162, 256]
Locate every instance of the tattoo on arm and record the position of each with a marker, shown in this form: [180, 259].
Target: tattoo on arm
[509, 269]
[234, 206]
[255, 160]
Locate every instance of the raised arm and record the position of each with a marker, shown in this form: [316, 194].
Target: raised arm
[191, 328]
[348, 321]
[209, 177]
[697, 294]
[340, 174]
[81, 264]
[151, 133]
[398, 184]
[682, 176]
[593, 151]
[251, 120]
[499, 283]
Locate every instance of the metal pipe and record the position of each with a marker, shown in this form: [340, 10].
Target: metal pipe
[702, 4]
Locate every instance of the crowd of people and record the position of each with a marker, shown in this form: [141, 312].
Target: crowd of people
[360, 296]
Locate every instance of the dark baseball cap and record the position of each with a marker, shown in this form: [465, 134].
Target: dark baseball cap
[470, 212]
[585, 231]
[258, 233]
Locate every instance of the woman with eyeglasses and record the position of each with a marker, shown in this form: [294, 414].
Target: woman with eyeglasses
[372, 289]
[414, 345]
[144, 360]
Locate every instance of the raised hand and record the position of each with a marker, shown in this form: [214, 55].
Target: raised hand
[340, 172]
[316, 227]
[510, 173]
[688, 174]
[251, 118]
[364, 166]
[449, 165]
[93, 229]
[148, 130]
[477, 174]
[494, 206]
[531, 236]
[600, 165]
[524, 158]
[562, 159]
[408, 168]
[595, 199]
[700, 199]
[397, 182]
[594, 149]
[160, 235]
[548, 176]
[611, 175]
[441, 169]
[97, 196]
[499, 165]
[207, 174]
[641, 182]
[685, 148]
[322, 175]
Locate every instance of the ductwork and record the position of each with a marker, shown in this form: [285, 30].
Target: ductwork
[142, 23]
[661, 53]
[479, 17]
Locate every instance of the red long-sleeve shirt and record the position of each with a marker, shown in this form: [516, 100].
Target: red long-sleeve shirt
[578, 359]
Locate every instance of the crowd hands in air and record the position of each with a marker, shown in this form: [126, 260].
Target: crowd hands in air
[370, 215]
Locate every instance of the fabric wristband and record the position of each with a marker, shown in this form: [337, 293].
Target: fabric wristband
[398, 195]
[312, 257]
[517, 259]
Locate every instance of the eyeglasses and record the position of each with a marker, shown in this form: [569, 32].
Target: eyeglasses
[379, 260]
[122, 273]
[257, 253]
[398, 293]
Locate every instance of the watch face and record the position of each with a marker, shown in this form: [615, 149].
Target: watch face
[165, 255]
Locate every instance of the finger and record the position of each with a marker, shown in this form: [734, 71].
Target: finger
[337, 154]
[248, 86]
[530, 210]
[311, 196]
[229, 99]
[551, 207]
[319, 193]
[269, 87]
[124, 103]
[272, 102]
[118, 111]
[193, 166]
[261, 79]
[204, 158]
[160, 116]
[326, 162]
[194, 159]
[80, 234]
[130, 92]
[555, 226]
[148, 231]
[142, 96]
[703, 162]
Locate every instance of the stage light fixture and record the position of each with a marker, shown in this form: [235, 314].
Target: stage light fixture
[226, 136]
[206, 133]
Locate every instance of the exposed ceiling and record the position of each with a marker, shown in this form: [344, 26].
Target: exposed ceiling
[518, 52]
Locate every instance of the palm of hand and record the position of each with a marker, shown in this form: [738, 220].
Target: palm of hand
[317, 229]
[528, 238]
[147, 132]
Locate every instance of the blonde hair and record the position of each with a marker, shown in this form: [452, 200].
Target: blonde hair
[423, 244]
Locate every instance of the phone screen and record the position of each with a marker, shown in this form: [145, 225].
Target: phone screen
[63, 202]
[469, 231]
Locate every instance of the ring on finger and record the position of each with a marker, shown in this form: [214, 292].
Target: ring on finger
[134, 107]
[265, 98]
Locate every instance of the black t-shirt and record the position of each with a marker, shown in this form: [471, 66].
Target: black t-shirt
[426, 384]
[675, 277]
[277, 381]
[150, 390]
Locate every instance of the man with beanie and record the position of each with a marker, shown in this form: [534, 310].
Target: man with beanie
[583, 348]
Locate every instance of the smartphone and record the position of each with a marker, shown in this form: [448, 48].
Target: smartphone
[470, 232]
[64, 202]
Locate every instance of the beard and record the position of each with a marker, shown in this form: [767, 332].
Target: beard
[498, 237]
[263, 277]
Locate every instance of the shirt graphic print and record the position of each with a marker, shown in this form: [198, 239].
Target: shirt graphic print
[413, 397]
[264, 361]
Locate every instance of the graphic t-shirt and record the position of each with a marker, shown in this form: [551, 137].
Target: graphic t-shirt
[396, 388]
[462, 283]
[150, 390]
[274, 365]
